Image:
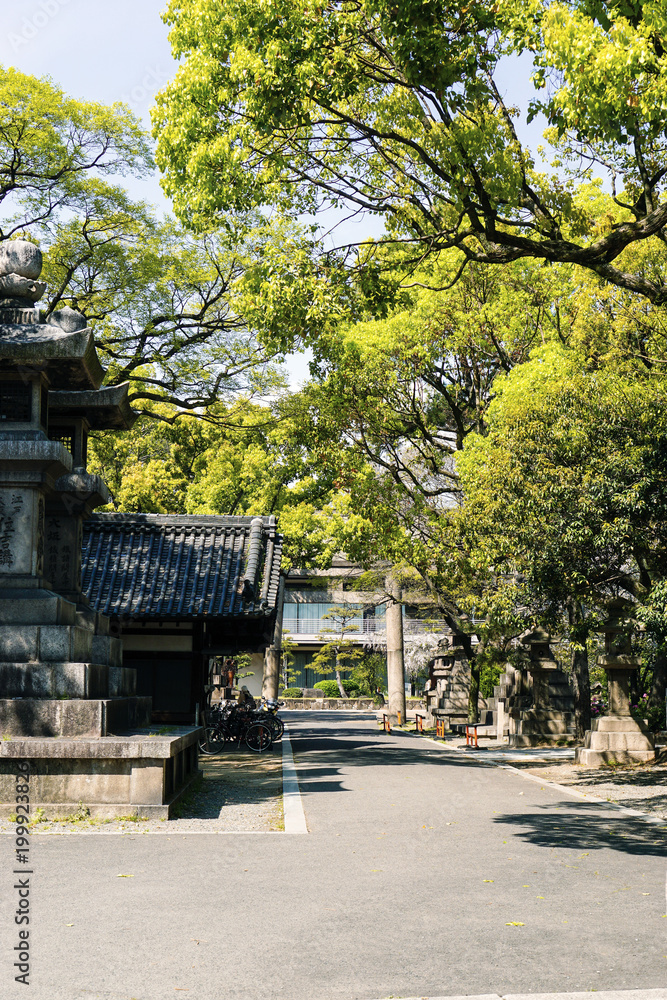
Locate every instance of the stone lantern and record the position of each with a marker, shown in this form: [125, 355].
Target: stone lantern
[549, 717]
[617, 738]
[448, 684]
[68, 706]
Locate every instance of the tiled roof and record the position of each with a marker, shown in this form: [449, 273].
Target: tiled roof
[156, 566]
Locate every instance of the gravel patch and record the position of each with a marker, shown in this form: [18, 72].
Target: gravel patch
[239, 792]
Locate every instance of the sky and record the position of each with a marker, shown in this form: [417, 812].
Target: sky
[118, 50]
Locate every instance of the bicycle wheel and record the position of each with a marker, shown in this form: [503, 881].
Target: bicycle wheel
[213, 740]
[258, 737]
[276, 725]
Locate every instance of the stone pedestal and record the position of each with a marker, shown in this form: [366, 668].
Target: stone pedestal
[617, 738]
[135, 774]
[543, 710]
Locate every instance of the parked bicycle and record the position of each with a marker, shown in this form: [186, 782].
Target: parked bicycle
[234, 724]
[267, 713]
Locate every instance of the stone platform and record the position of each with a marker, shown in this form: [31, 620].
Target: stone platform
[141, 772]
[616, 740]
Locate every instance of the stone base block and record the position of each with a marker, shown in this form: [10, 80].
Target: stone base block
[54, 680]
[616, 740]
[529, 727]
[107, 649]
[71, 717]
[137, 773]
[122, 682]
[598, 758]
[539, 739]
[57, 644]
[33, 606]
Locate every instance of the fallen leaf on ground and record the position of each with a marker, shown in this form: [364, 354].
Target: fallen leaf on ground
[515, 923]
[124, 876]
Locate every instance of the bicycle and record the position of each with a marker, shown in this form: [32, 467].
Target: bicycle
[235, 724]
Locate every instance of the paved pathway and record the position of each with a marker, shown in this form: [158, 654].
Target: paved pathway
[424, 874]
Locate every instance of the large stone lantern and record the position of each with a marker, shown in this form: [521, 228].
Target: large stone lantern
[617, 738]
[67, 704]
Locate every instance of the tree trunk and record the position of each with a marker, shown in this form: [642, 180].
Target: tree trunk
[339, 681]
[659, 685]
[581, 681]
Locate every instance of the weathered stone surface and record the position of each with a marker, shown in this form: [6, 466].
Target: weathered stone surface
[113, 776]
[597, 758]
[108, 649]
[20, 257]
[137, 744]
[19, 643]
[65, 642]
[68, 319]
[122, 682]
[616, 739]
[34, 607]
[16, 286]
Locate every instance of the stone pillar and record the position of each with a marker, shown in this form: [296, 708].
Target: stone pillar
[616, 738]
[271, 677]
[395, 665]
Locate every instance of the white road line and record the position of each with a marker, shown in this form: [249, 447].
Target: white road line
[656, 994]
[295, 819]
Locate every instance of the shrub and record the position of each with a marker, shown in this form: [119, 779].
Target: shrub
[352, 689]
[292, 693]
[328, 688]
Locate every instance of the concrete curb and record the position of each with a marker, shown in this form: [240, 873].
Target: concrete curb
[295, 819]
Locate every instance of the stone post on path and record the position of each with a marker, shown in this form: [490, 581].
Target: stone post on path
[395, 663]
[617, 738]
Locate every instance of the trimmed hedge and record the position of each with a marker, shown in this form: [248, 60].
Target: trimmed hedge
[328, 688]
[291, 693]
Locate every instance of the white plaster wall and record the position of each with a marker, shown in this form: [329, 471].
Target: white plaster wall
[157, 643]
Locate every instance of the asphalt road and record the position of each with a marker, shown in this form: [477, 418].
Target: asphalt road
[423, 874]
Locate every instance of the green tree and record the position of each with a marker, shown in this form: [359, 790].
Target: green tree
[55, 150]
[566, 491]
[393, 109]
[340, 653]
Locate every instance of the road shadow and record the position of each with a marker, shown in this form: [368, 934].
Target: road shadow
[320, 758]
[581, 827]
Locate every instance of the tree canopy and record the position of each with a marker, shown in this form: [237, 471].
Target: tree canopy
[394, 109]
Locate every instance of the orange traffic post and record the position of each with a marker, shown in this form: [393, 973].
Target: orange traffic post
[419, 721]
